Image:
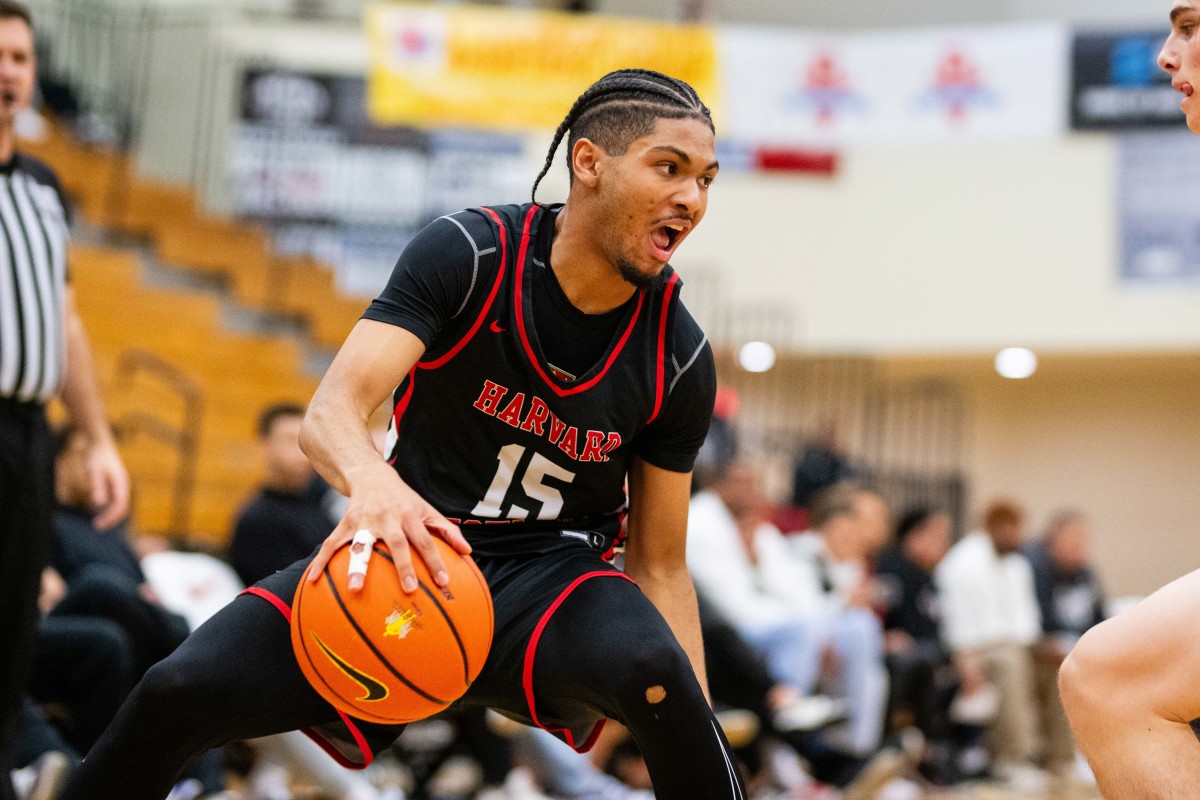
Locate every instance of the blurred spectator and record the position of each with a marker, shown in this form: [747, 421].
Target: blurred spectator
[288, 519]
[849, 528]
[1071, 601]
[822, 463]
[990, 622]
[43, 758]
[83, 665]
[102, 573]
[783, 606]
[720, 445]
[912, 619]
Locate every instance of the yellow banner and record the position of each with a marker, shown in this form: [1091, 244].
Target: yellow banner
[496, 68]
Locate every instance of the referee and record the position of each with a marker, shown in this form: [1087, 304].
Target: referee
[43, 352]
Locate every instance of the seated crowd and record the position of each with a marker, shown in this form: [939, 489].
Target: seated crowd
[850, 657]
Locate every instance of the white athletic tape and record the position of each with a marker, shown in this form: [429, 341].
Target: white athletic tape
[360, 553]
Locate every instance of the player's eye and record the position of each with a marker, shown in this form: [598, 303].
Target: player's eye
[706, 181]
[669, 168]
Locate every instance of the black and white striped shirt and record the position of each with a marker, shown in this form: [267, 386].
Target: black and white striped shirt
[34, 228]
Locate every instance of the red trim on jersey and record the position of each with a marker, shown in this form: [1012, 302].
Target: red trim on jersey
[401, 407]
[487, 306]
[360, 741]
[660, 366]
[531, 652]
[533, 359]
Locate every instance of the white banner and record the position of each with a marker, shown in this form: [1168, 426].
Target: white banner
[790, 88]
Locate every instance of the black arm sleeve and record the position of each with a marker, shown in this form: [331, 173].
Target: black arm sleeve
[673, 439]
[436, 275]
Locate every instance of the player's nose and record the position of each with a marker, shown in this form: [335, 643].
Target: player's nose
[689, 198]
[1167, 59]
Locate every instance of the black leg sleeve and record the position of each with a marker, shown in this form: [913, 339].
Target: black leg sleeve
[235, 678]
[608, 648]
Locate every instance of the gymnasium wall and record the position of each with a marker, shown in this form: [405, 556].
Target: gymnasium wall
[1114, 435]
[933, 250]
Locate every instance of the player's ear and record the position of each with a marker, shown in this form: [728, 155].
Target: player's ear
[586, 156]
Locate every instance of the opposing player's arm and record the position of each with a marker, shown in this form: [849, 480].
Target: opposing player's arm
[655, 553]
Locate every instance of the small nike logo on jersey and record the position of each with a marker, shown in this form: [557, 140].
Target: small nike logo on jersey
[496, 327]
[374, 689]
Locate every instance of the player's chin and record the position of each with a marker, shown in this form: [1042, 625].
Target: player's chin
[1193, 121]
[642, 276]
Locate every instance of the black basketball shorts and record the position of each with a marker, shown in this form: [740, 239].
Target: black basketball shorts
[527, 590]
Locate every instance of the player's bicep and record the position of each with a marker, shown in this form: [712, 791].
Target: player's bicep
[658, 509]
[374, 359]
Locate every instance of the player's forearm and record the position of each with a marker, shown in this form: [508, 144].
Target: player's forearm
[675, 598]
[80, 391]
[336, 438]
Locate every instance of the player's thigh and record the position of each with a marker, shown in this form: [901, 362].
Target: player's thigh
[239, 665]
[609, 643]
[1150, 652]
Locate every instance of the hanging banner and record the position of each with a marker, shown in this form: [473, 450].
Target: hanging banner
[1158, 183]
[307, 164]
[500, 68]
[1116, 83]
[785, 87]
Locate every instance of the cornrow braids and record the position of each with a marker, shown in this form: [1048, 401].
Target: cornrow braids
[621, 107]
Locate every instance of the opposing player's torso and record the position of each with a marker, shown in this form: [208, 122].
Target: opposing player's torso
[502, 443]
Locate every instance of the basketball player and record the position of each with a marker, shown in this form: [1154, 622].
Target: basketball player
[1131, 687]
[543, 360]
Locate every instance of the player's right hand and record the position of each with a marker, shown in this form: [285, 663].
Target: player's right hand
[384, 505]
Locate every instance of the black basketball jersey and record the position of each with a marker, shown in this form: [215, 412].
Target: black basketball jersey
[513, 450]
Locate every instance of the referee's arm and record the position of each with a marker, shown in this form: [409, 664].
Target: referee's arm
[81, 395]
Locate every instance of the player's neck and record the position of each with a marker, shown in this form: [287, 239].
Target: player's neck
[588, 279]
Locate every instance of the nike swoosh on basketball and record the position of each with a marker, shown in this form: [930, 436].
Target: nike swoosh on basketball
[496, 327]
[373, 688]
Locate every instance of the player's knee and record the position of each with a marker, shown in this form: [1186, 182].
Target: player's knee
[652, 669]
[1088, 669]
[171, 686]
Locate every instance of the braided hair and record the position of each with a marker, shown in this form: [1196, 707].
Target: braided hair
[622, 107]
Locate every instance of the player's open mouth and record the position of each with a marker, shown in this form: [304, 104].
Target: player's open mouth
[666, 237]
[1186, 88]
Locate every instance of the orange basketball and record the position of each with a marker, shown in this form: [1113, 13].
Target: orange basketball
[385, 656]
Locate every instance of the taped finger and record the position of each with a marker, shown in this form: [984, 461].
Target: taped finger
[360, 554]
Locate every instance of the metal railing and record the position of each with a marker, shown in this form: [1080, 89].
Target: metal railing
[182, 437]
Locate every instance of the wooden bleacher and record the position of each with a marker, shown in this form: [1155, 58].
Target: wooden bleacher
[238, 374]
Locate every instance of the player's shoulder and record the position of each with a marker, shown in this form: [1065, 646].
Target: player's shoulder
[512, 216]
[686, 333]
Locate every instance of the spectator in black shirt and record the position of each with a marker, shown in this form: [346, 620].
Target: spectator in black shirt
[1071, 601]
[287, 519]
[912, 617]
[103, 576]
[1068, 591]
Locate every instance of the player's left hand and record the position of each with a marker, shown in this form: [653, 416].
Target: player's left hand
[110, 485]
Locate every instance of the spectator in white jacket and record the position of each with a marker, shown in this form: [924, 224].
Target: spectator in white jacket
[990, 621]
[781, 605]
